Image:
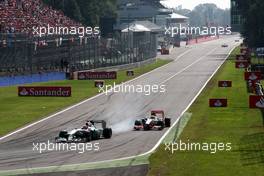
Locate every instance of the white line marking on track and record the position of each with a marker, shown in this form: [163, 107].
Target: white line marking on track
[179, 72]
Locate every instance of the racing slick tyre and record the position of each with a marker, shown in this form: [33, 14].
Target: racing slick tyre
[161, 125]
[167, 122]
[107, 133]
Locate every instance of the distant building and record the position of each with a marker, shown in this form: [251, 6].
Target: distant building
[144, 15]
[140, 10]
[236, 17]
[136, 15]
[175, 19]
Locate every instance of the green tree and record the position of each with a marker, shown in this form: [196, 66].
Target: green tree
[87, 12]
[204, 14]
[253, 27]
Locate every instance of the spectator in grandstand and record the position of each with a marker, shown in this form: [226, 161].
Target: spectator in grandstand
[24, 14]
[1, 28]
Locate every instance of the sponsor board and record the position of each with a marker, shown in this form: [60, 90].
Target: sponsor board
[99, 83]
[256, 101]
[218, 102]
[252, 76]
[89, 75]
[260, 52]
[242, 64]
[44, 91]
[130, 73]
[224, 83]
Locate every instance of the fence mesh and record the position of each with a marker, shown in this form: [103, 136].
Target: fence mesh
[23, 54]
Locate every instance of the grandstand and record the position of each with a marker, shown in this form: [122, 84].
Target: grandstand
[22, 53]
[19, 16]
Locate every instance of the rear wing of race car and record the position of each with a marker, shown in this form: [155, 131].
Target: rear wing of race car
[158, 112]
[99, 121]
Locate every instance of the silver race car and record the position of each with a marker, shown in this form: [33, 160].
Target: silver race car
[93, 130]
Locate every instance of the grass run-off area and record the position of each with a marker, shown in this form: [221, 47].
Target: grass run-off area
[17, 111]
[236, 124]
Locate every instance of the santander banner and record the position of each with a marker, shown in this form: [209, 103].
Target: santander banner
[256, 101]
[218, 102]
[224, 83]
[253, 76]
[89, 75]
[44, 91]
[242, 64]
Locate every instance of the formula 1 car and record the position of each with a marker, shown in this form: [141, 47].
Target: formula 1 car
[156, 121]
[93, 130]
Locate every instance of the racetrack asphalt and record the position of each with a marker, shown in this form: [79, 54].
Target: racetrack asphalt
[184, 77]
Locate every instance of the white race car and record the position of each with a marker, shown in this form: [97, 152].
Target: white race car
[93, 130]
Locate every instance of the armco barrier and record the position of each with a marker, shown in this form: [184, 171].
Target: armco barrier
[26, 79]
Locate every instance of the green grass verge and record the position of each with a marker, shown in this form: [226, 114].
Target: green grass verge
[18, 111]
[236, 124]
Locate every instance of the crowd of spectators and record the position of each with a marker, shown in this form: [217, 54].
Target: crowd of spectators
[19, 16]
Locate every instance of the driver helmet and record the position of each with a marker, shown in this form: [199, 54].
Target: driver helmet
[153, 115]
[89, 124]
[85, 127]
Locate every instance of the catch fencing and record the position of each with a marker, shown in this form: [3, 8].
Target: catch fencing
[22, 54]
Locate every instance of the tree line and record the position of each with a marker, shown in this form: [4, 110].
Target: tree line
[206, 14]
[252, 12]
[87, 12]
